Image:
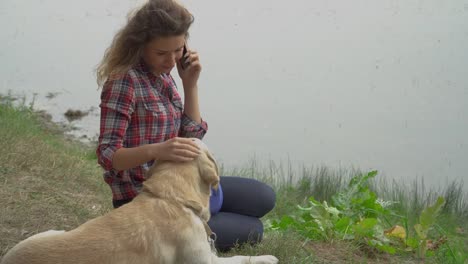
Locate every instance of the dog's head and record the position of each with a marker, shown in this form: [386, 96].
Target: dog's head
[207, 166]
[189, 182]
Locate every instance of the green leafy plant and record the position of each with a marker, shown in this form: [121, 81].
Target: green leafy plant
[426, 221]
[355, 214]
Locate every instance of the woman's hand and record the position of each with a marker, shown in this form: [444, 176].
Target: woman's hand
[176, 149]
[191, 73]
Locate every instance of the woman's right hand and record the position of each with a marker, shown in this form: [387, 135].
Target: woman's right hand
[176, 149]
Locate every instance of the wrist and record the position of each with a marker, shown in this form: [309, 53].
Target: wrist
[189, 86]
[153, 151]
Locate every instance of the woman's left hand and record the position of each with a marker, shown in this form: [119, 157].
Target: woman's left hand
[191, 73]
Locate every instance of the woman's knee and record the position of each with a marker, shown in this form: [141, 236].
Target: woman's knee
[267, 197]
[247, 196]
[232, 229]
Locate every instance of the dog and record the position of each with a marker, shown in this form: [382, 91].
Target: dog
[166, 223]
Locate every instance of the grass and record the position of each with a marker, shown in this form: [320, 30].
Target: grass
[46, 181]
[50, 182]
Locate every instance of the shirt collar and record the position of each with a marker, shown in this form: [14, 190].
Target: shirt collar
[143, 67]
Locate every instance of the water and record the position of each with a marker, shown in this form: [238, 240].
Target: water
[366, 84]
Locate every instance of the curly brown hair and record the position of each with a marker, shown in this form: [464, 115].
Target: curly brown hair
[156, 18]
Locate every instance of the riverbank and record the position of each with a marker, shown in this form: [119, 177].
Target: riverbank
[49, 181]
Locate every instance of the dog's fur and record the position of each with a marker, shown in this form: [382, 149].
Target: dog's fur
[163, 224]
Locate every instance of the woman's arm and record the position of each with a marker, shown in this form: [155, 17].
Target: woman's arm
[192, 124]
[191, 105]
[189, 77]
[127, 158]
[175, 149]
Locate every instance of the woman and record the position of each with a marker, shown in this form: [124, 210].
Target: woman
[143, 119]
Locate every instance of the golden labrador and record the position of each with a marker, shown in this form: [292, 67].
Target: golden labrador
[165, 223]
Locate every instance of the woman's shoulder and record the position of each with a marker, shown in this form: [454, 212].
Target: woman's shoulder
[132, 74]
[131, 77]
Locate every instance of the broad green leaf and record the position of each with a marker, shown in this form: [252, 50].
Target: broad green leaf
[365, 227]
[428, 215]
[412, 242]
[285, 222]
[361, 180]
[372, 174]
[343, 224]
[420, 231]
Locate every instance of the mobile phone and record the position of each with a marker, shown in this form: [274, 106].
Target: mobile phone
[183, 64]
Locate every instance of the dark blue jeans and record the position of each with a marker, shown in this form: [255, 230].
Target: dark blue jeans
[244, 202]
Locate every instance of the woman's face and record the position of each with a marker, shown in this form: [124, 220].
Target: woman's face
[161, 54]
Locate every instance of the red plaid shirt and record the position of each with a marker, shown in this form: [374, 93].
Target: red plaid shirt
[136, 109]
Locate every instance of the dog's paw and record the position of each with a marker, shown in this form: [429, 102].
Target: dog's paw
[266, 259]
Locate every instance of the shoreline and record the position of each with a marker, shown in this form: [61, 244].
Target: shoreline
[285, 169]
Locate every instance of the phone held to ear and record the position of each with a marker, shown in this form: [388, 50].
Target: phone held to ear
[184, 64]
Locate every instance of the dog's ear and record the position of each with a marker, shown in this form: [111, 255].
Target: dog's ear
[208, 169]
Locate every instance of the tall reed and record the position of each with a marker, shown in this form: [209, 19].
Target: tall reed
[322, 182]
